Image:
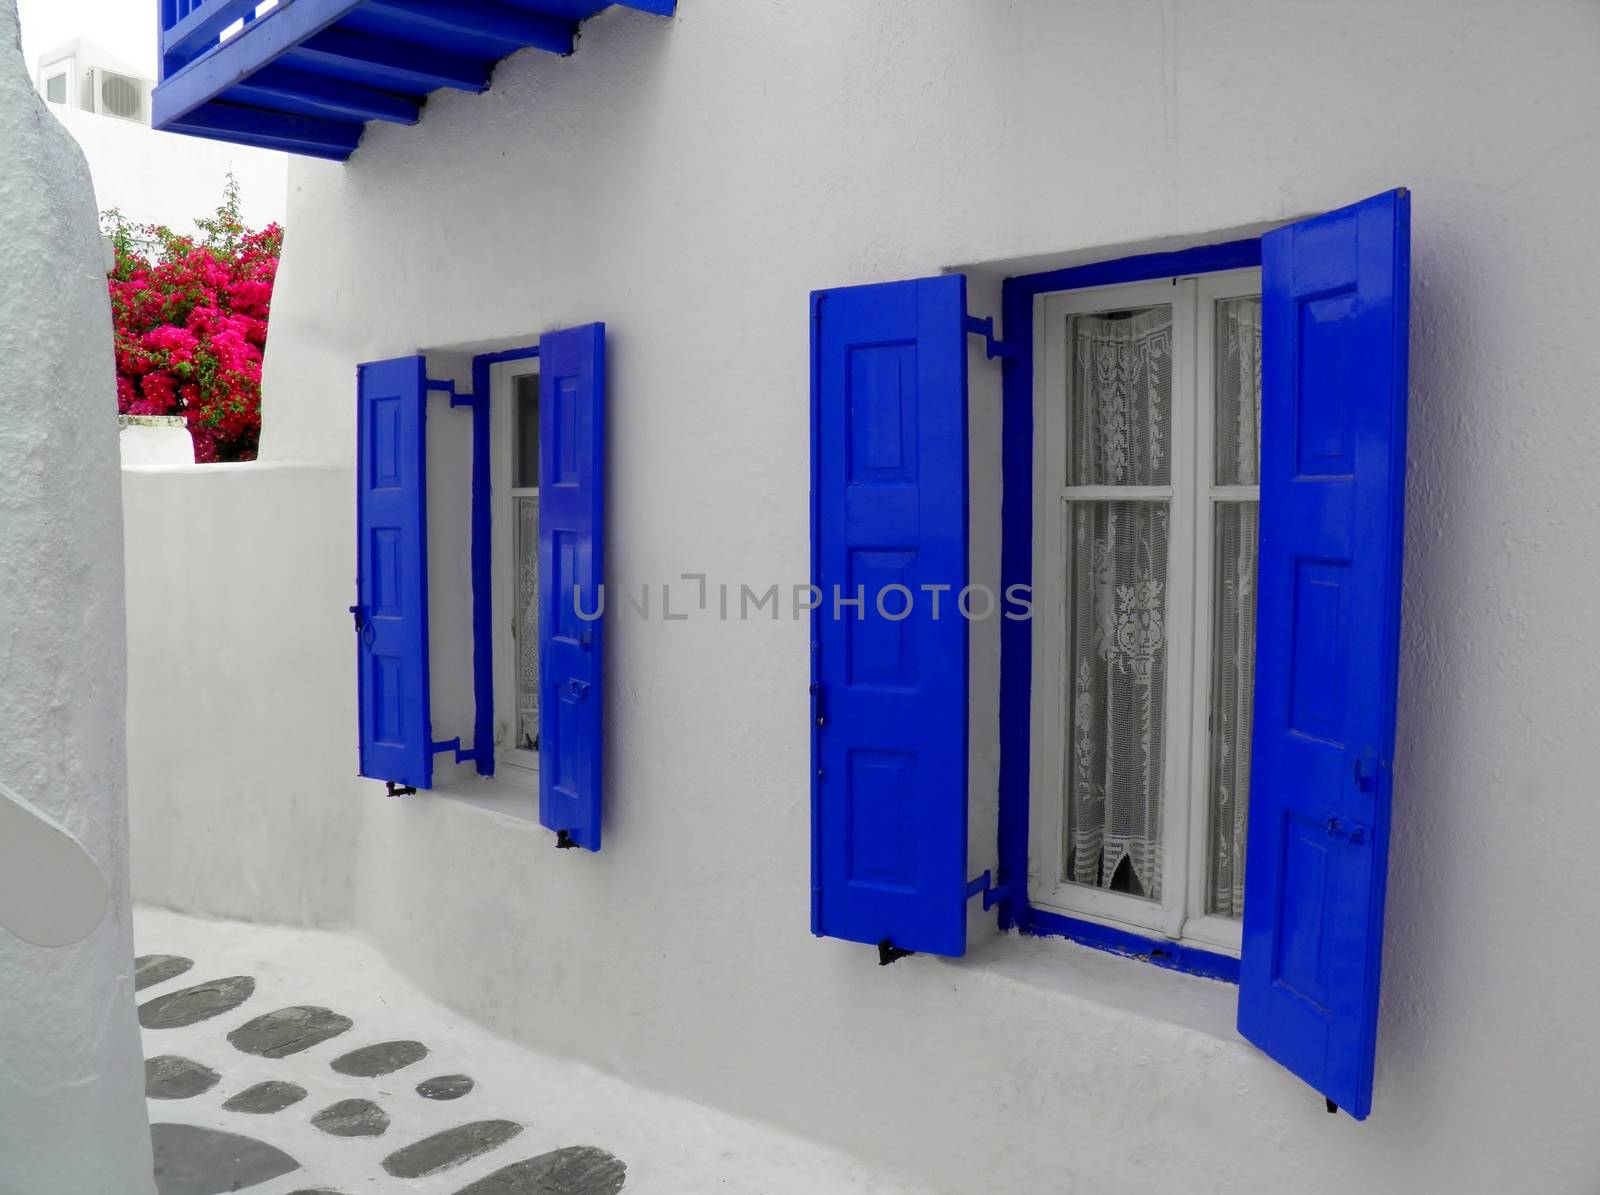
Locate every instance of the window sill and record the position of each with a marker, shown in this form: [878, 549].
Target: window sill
[1061, 969]
[512, 792]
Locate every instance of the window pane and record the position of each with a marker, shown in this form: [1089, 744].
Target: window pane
[1238, 390]
[1117, 672]
[527, 623]
[525, 465]
[1119, 397]
[55, 89]
[1233, 671]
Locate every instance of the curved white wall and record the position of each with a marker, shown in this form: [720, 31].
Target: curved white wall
[72, 1111]
[690, 183]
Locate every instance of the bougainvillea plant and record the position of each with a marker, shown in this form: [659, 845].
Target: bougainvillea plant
[190, 317]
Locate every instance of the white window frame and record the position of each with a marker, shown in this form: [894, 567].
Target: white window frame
[1180, 914]
[503, 377]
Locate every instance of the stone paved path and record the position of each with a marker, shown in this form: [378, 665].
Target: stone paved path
[311, 1068]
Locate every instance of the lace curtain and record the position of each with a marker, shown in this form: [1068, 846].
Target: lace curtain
[527, 616]
[1120, 402]
[1236, 545]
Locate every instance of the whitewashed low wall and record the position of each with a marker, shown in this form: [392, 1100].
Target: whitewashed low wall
[238, 690]
[154, 440]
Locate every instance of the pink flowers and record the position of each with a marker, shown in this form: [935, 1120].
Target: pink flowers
[190, 319]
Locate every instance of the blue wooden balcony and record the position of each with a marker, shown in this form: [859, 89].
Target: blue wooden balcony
[307, 75]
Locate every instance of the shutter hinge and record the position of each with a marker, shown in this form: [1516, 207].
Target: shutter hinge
[401, 790]
[565, 841]
[818, 712]
[360, 615]
[992, 893]
[985, 328]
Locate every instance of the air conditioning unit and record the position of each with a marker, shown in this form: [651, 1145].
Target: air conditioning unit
[113, 94]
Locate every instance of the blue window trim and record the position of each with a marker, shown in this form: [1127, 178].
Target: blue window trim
[483, 555]
[1017, 297]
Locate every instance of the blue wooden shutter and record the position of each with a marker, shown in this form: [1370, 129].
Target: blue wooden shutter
[889, 719]
[1335, 322]
[572, 388]
[392, 572]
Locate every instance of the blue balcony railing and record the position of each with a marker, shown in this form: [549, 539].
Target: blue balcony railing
[307, 76]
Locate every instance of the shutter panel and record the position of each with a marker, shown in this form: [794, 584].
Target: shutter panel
[572, 386]
[392, 571]
[889, 507]
[1335, 304]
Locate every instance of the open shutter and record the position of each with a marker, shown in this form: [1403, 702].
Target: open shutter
[391, 609]
[572, 387]
[1335, 306]
[889, 718]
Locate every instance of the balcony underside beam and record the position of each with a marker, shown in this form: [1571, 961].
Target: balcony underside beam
[310, 135]
[418, 69]
[510, 29]
[315, 95]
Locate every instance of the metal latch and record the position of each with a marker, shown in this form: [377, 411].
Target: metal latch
[984, 327]
[992, 893]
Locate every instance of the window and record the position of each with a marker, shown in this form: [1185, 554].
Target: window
[1190, 421]
[55, 89]
[1148, 405]
[515, 444]
[535, 529]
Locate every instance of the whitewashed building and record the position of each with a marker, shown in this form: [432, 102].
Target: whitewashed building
[150, 178]
[1281, 437]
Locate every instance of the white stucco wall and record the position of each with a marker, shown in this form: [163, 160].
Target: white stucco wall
[163, 178]
[72, 1111]
[690, 184]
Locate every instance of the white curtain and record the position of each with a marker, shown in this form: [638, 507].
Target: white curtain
[1120, 405]
[1235, 551]
[527, 615]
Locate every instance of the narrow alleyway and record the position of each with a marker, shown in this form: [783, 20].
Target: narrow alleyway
[293, 1062]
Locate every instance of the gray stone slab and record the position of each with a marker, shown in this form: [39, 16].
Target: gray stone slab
[287, 1031]
[382, 1059]
[171, 1077]
[445, 1087]
[352, 1118]
[263, 1098]
[576, 1170]
[195, 1161]
[450, 1148]
[199, 1003]
[151, 969]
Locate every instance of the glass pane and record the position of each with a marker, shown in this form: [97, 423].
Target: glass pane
[56, 89]
[1117, 674]
[1119, 397]
[525, 464]
[527, 623]
[1238, 390]
[1233, 674]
